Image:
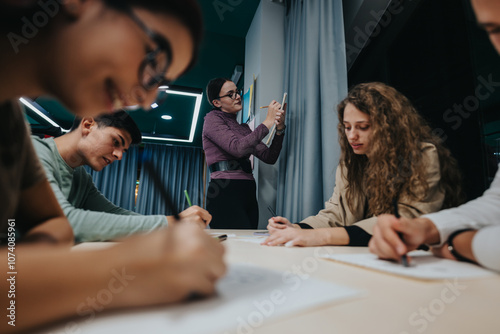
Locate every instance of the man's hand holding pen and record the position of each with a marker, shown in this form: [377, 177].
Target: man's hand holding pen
[193, 214]
[170, 265]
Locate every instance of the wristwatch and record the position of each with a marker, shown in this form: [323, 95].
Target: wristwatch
[280, 132]
[452, 249]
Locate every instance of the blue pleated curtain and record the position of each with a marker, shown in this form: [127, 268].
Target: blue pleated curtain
[316, 81]
[180, 168]
[117, 181]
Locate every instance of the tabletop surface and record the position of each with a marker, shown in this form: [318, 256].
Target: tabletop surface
[387, 304]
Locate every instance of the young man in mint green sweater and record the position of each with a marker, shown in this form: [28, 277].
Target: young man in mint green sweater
[97, 142]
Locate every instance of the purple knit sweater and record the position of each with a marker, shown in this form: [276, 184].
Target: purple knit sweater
[226, 139]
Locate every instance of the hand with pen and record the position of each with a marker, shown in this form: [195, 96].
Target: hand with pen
[194, 214]
[394, 237]
[167, 266]
[273, 114]
[388, 244]
[279, 223]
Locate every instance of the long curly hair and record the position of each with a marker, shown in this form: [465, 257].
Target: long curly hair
[394, 168]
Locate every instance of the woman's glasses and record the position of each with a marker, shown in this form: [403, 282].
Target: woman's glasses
[232, 94]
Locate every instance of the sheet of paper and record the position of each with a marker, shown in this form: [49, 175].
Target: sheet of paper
[248, 297]
[423, 265]
[257, 239]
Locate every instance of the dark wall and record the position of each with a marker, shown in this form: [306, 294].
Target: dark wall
[427, 52]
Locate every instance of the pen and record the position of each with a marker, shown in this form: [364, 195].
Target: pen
[404, 257]
[187, 197]
[221, 237]
[271, 210]
[148, 165]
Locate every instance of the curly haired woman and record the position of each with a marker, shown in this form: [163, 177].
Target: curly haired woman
[389, 155]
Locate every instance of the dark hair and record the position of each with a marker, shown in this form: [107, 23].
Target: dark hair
[213, 89]
[119, 120]
[186, 11]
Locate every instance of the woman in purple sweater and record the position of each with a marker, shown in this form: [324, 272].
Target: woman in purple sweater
[228, 145]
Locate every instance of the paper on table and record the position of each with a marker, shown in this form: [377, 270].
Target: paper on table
[423, 265]
[257, 239]
[247, 297]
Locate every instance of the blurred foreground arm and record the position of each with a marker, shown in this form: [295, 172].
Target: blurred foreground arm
[165, 266]
[49, 224]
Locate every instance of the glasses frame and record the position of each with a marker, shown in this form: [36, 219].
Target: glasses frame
[163, 45]
[230, 95]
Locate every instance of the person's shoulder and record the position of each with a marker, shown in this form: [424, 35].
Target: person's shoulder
[430, 156]
[39, 141]
[425, 146]
[429, 150]
[213, 114]
[213, 117]
[41, 144]
[341, 173]
[45, 152]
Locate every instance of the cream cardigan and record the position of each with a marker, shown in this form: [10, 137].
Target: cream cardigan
[338, 214]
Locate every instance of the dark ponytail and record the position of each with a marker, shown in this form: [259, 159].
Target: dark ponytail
[213, 89]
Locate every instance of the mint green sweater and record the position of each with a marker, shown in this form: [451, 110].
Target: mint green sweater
[92, 216]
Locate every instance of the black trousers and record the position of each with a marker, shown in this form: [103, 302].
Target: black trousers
[233, 204]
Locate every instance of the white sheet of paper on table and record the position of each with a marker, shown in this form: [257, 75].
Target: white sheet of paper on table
[423, 266]
[256, 239]
[248, 297]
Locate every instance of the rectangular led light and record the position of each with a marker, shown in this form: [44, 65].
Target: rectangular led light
[41, 114]
[194, 122]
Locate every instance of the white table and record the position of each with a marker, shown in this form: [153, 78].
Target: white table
[390, 304]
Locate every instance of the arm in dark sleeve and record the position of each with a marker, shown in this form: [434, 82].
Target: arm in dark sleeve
[357, 236]
[270, 154]
[219, 132]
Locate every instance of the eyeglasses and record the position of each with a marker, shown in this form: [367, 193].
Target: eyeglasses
[232, 94]
[156, 62]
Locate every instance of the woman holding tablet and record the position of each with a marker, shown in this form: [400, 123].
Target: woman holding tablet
[228, 145]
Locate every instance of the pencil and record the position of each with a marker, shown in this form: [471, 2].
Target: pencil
[404, 257]
[187, 197]
[271, 210]
[264, 107]
[148, 165]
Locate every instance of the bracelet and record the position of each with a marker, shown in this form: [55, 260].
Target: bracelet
[280, 132]
[452, 249]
